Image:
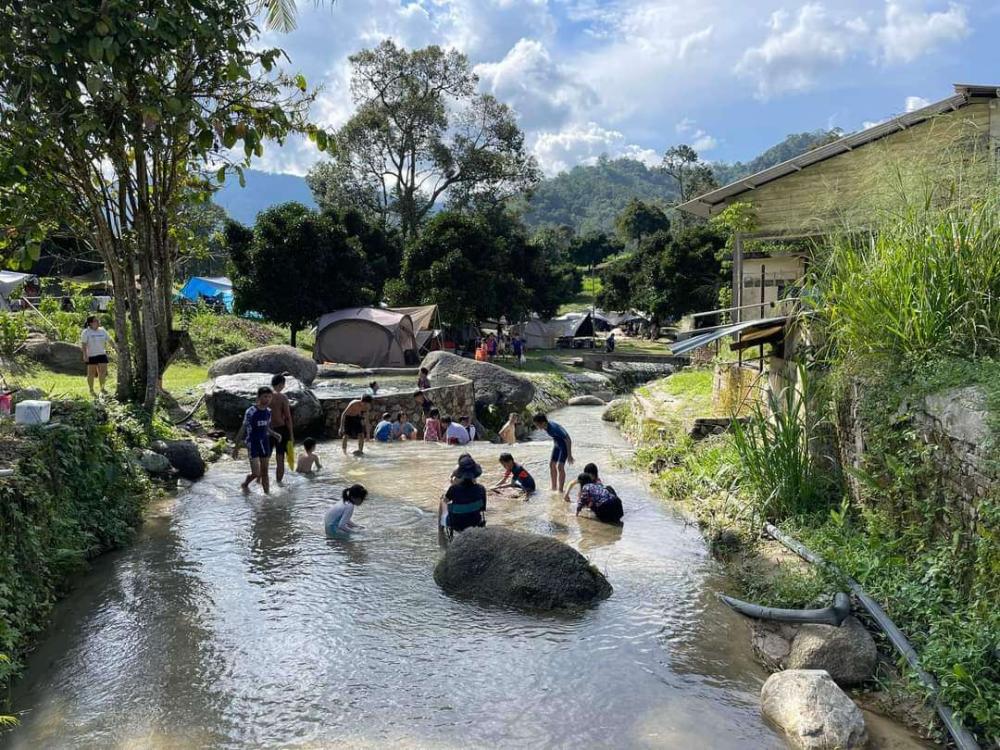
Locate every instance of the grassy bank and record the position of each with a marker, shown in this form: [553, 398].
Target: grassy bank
[940, 589]
[75, 494]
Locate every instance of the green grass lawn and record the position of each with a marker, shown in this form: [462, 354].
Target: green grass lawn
[179, 377]
[684, 395]
[585, 298]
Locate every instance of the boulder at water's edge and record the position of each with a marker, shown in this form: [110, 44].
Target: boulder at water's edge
[270, 359]
[183, 455]
[504, 566]
[229, 396]
[814, 713]
[494, 385]
[847, 652]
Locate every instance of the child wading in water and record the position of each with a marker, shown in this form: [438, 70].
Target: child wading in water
[562, 450]
[515, 476]
[354, 423]
[508, 433]
[308, 462]
[590, 469]
[338, 518]
[432, 427]
[257, 433]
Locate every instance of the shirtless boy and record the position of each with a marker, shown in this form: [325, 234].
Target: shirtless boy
[354, 423]
[281, 422]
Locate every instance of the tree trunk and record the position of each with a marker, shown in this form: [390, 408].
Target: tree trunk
[294, 336]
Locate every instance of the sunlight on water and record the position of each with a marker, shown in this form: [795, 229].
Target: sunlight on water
[233, 622]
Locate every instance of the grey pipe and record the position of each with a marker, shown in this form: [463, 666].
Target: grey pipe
[962, 737]
[833, 615]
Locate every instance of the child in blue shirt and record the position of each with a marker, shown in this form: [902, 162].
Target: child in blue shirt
[383, 430]
[562, 450]
[256, 432]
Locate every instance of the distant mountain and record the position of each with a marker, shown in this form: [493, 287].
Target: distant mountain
[588, 198]
[793, 145]
[263, 190]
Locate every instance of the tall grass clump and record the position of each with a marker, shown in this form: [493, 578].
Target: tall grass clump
[778, 448]
[926, 281]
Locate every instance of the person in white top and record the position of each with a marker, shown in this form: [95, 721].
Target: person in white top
[469, 427]
[454, 433]
[94, 343]
[338, 518]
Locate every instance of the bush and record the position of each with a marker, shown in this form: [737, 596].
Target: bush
[928, 282]
[13, 334]
[778, 455]
[75, 494]
[217, 335]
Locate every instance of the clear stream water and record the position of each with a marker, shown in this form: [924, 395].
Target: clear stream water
[233, 623]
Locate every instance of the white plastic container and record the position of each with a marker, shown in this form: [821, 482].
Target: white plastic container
[32, 412]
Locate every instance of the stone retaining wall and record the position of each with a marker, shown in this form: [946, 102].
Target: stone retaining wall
[456, 398]
[955, 423]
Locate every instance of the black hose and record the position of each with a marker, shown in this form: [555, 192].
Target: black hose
[833, 615]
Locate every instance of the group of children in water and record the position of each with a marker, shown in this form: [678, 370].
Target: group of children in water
[267, 427]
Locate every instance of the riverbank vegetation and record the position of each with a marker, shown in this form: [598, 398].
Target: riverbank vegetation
[900, 314]
[75, 493]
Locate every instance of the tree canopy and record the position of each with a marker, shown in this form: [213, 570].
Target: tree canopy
[421, 135]
[296, 265]
[669, 276]
[109, 112]
[638, 220]
[692, 176]
[481, 267]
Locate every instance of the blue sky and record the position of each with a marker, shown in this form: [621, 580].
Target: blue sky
[633, 77]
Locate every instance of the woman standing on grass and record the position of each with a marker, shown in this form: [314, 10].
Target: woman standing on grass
[94, 345]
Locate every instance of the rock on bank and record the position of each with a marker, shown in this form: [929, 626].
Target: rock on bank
[517, 568]
[229, 396]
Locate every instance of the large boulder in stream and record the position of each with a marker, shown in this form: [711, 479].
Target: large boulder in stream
[229, 396]
[494, 385]
[504, 566]
[813, 712]
[270, 359]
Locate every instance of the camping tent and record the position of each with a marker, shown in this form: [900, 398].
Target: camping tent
[540, 334]
[426, 325]
[11, 281]
[213, 287]
[367, 337]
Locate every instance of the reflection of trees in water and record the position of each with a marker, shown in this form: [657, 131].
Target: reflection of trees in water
[136, 630]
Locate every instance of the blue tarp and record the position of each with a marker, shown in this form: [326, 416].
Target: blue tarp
[213, 287]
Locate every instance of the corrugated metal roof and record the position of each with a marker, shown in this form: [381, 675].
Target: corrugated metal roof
[696, 342]
[709, 203]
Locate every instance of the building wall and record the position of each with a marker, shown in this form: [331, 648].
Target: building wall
[766, 280]
[846, 186]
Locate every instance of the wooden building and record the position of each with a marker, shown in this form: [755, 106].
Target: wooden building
[843, 183]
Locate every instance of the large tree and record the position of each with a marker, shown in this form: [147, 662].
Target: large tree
[421, 135]
[296, 265]
[638, 220]
[108, 113]
[692, 176]
[669, 276]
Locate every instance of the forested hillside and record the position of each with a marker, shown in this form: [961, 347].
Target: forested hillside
[588, 198]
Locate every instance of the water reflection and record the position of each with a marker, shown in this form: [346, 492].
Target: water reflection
[236, 623]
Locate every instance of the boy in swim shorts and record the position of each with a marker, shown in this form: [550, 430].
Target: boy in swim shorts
[562, 450]
[354, 423]
[256, 432]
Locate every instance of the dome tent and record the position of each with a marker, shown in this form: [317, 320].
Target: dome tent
[367, 337]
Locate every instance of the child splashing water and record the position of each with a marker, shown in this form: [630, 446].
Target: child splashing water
[338, 519]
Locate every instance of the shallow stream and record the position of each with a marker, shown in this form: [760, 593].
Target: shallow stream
[233, 623]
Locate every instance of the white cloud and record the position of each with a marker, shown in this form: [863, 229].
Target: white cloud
[584, 144]
[916, 102]
[696, 138]
[544, 94]
[800, 49]
[694, 40]
[910, 32]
